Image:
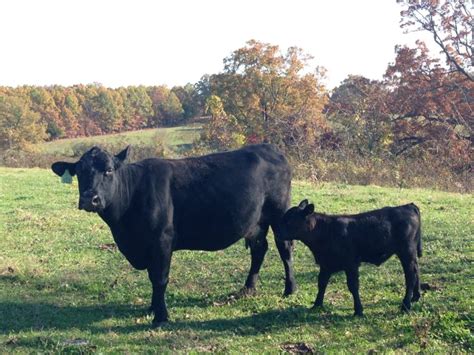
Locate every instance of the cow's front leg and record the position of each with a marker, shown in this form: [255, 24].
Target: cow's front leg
[158, 272]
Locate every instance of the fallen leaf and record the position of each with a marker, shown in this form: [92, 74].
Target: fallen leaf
[297, 348]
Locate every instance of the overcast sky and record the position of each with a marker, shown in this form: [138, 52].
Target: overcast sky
[133, 42]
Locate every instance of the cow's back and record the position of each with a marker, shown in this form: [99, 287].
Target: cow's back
[220, 198]
[380, 233]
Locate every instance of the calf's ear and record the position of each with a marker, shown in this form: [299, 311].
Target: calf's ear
[303, 204]
[308, 209]
[123, 155]
[60, 167]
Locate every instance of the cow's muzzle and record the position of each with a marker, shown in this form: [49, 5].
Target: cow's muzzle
[91, 202]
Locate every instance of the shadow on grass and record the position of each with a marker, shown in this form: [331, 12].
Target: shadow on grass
[18, 317]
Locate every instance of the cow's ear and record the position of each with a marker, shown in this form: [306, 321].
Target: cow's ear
[308, 209]
[303, 204]
[60, 168]
[123, 155]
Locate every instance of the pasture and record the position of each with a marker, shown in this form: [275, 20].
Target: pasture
[65, 288]
[173, 138]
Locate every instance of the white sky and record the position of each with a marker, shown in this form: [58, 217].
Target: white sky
[133, 42]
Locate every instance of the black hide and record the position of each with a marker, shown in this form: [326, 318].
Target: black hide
[342, 242]
[156, 206]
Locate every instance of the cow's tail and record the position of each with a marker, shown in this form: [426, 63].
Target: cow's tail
[419, 249]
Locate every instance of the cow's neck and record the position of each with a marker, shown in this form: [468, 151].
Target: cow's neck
[129, 177]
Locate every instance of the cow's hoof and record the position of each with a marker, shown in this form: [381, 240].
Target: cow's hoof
[416, 297]
[358, 314]
[159, 323]
[246, 292]
[316, 307]
[289, 290]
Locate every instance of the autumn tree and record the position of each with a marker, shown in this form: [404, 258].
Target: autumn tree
[20, 127]
[274, 96]
[431, 106]
[450, 23]
[166, 106]
[359, 116]
[222, 130]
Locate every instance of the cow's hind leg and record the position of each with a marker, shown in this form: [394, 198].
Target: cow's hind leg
[285, 248]
[258, 249]
[410, 269]
[417, 289]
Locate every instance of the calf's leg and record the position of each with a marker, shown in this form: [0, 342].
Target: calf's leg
[352, 275]
[285, 249]
[158, 273]
[323, 280]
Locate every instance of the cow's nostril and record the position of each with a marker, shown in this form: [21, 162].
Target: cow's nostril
[95, 201]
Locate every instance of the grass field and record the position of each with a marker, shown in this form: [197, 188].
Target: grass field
[171, 137]
[65, 288]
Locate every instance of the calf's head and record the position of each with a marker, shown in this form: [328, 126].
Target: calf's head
[297, 221]
[97, 176]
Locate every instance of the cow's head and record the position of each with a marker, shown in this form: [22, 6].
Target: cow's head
[297, 222]
[97, 175]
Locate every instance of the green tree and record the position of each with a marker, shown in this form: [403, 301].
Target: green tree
[138, 107]
[189, 99]
[104, 107]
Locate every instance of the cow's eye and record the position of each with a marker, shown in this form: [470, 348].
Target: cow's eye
[108, 172]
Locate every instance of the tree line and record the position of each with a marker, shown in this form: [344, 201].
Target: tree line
[422, 108]
[29, 114]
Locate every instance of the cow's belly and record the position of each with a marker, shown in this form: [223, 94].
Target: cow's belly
[206, 242]
[215, 237]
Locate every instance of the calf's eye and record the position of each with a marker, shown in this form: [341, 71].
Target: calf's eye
[108, 172]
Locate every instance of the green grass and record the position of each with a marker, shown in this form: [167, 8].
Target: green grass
[172, 137]
[64, 289]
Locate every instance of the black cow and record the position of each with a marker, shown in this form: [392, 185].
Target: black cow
[342, 242]
[156, 206]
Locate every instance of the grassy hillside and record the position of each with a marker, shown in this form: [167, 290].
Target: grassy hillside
[64, 286]
[171, 137]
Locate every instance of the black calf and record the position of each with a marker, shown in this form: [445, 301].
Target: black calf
[341, 243]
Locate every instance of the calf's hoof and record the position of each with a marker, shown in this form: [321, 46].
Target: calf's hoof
[405, 307]
[316, 306]
[415, 297]
[358, 314]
